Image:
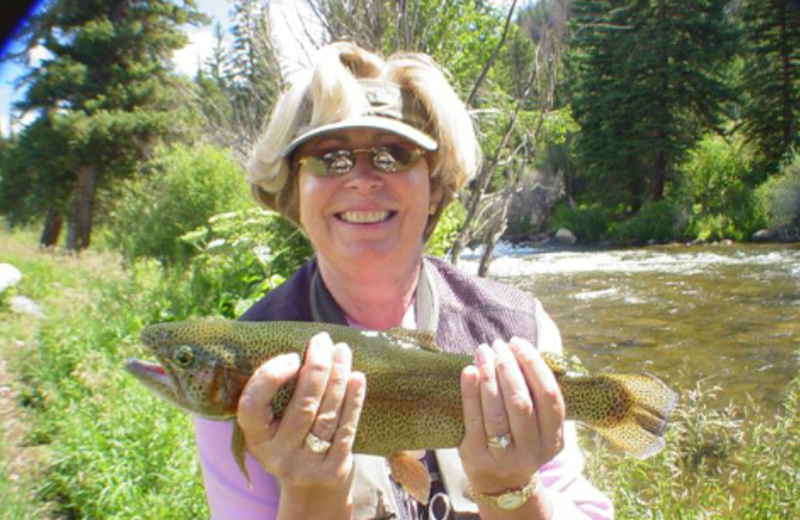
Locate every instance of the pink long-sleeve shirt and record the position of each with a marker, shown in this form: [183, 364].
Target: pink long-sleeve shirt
[571, 496]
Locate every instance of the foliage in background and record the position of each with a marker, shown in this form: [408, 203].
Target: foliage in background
[648, 84]
[780, 199]
[446, 230]
[661, 221]
[181, 190]
[771, 79]
[240, 256]
[718, 187]
[106, 93]
[589, 223]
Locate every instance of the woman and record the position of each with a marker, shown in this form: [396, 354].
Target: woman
[364, 155]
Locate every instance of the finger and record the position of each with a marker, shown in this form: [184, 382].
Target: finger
[254, 412]
[329, 410]
[547, 399]
[474, 432]
[311, 384]
[355, 394]
[516, 395]
[495, 421]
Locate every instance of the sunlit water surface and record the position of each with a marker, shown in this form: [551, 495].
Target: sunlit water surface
[726, 315]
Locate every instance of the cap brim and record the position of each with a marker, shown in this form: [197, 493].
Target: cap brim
[393, 126]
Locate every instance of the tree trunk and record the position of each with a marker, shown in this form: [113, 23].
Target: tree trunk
[659, 176]
[80, 225]
[53, 223]
[493, 234]
[635, 191]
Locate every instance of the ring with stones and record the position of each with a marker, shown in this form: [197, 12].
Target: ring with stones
[499, 442]
[316, 444]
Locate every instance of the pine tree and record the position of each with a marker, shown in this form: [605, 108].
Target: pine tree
[106, 91]
[241, 81]
[772, 78]
[648, 86]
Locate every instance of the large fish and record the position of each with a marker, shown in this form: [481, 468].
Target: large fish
[413, 400]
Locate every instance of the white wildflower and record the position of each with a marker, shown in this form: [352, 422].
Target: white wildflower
[217, 242]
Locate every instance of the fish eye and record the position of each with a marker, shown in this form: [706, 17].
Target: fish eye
[184, 356]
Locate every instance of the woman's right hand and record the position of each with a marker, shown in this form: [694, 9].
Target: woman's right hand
[327, 403]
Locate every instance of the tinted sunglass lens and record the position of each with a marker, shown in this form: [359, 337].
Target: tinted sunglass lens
[384, 160]
[339, 162]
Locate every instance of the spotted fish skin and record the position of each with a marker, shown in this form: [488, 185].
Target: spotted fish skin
[413, 400]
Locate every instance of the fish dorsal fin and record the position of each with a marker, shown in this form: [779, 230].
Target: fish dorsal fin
[412, 475]
[421, 338]
[561, 365]
[556, 363]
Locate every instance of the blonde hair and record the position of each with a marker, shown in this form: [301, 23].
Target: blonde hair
[329, 93]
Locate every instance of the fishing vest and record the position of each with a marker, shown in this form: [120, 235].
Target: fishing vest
[462, 310]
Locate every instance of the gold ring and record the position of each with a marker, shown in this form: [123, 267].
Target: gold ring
[499, 442]
[316, 444]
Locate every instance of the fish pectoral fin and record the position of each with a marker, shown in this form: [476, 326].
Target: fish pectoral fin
[238, 451]
[425, 339]
[412, 475]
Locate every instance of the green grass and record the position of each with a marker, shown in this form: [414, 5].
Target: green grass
[106, 448]
[111, 450]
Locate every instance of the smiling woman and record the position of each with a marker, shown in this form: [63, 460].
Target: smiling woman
[363, 154]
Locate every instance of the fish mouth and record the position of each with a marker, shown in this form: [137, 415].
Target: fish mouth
[155, 377]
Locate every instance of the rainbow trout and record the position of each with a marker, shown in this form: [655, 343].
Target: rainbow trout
[413, 399]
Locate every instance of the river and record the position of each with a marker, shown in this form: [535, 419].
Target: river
[725, 315]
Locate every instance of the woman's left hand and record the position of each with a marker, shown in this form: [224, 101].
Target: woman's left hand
[509, 391]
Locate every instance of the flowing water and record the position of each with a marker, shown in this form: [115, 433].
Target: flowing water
[726, 315]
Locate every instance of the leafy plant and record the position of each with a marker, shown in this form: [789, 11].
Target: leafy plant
[660, 221]
[185, 187]
[239, 256]
[717, 186]
[446, 230]
[779, 198]
[590, 223]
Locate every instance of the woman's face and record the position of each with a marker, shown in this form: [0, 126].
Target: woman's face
[364, 217]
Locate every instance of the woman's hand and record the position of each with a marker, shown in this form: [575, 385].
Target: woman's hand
[509, 391]
[326, 404]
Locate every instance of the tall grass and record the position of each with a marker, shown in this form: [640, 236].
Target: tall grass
[112, 450]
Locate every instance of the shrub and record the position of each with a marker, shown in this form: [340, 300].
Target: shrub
[241, 255]
[779, 198]
[183, 190]
[446, 230]
[717, 185]
[655, 220]
[590, 223]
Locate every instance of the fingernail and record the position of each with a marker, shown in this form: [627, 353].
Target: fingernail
[501, 348]
[290, 361]
[342, 354]
[484, 355]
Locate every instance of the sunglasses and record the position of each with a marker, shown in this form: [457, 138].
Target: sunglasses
[385, 159]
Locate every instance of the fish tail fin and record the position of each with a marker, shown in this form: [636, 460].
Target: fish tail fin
[637, 425]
